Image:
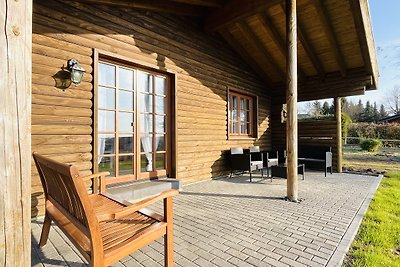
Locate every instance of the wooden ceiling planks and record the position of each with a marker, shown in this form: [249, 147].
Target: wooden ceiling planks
[333, 36]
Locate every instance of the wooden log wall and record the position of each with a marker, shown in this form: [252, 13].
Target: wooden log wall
[15, 137]
[313, 133]
[205, 68]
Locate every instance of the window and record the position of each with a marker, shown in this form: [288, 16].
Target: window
[241, 115]
[131, 132]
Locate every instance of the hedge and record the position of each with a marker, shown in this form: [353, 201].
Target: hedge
[390, 131]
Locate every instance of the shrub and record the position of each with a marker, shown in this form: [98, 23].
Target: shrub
[389, 131]
[371, 145]
[346, 120]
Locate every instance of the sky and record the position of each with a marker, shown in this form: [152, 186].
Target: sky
[385, 17]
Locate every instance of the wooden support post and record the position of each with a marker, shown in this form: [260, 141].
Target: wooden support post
[291, 100]
[15, 132]
[338, 117]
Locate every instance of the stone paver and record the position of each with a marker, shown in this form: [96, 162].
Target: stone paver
[231, 222]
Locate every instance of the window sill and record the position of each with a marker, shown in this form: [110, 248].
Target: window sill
[241, 138]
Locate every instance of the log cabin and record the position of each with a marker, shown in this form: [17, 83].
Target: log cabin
[169, 86]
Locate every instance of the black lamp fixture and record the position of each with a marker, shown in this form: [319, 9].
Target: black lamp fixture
[76, 71]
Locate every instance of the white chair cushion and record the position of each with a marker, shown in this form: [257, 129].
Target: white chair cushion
[272, 160]
[256, 163]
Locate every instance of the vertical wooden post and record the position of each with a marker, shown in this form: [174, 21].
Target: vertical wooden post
[338, 116]
[15, 132]
[291, 100]
[169, 236]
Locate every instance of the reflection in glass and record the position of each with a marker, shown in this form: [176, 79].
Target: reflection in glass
[146, 123]
[235, 127]
[125, 100]
[160, 142]
[146, 103]
[146, 143]
[242, 115]
[161, 84]
[160, 161]
[160, 104]
[106, 121]
[125, 79]
[106, 144]
[106, 97]
[107, 164]
[234, 102]
[241, 103]
[248, 104]
[242, 128]
[146, 162]
[125, 165]
[106, 75]
[248, 128]
[160, 124]
[248, 116]
[125, 143]
[144, 82]
[234, 114]
[125, 122]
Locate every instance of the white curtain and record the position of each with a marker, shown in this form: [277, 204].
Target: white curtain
[146, 125]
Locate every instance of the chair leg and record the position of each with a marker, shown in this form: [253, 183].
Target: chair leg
[331, 169]
[45, 231]
[169, 236]
[250, 176]
[262, 172]
[326, 170]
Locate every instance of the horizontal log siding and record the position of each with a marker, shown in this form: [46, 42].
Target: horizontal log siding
[306, 131]
[205, 67]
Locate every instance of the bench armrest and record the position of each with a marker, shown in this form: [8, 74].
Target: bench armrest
[98, 181]
[133, 207]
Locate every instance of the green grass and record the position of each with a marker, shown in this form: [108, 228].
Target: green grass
[378, 240]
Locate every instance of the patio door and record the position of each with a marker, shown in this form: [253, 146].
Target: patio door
[131, 122]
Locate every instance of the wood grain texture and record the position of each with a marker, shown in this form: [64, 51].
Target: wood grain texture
[15, 132]
[338, 118]
[61, 119]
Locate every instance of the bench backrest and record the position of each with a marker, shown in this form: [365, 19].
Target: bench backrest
[236, 150]
[316, 152]
[65, 190]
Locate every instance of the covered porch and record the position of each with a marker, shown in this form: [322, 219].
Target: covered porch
[231, 222]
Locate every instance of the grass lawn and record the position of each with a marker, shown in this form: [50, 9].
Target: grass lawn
[378, 240]
[386, 159]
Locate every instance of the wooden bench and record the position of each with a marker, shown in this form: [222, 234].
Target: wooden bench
[316, 155]
[101, 227]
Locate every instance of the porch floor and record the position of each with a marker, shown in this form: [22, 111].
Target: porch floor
[231, 222]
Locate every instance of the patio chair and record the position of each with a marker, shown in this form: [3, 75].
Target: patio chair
[245, 162]
[101, 227]
[271, 159]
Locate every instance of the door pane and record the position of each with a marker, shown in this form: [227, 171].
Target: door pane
[160, 142]
[146, 103]
[146, 123]
[106, 75]
[160, 104]
[144, 82]
[106, 121]
[125, 100]
[161, 85]
[125, 122]
[160, 124]
[106, 144]
[106, 164]
[146, 162]
[160, 161]
[106, 98]
[146, 143]
[125, 79]
[125, 165]
[125, 143]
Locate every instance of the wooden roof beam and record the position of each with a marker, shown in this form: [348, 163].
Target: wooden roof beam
[277, 39]
[152, 5]
[360, 11]
[266, 56]
[234, 11]
[206, 3]
[330, 33]
[245, 55]
[308, 47]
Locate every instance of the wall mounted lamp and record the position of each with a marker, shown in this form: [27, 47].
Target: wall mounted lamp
[76, 71]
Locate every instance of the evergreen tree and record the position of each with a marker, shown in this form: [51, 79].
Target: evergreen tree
[368, 113]
[326, 109]
[358, 112]
[382, 112]
[375, 113]
[316, 109]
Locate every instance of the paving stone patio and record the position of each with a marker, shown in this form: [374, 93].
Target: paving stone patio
[231, 222]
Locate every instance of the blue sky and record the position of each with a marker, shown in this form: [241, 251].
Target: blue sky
[386, 27]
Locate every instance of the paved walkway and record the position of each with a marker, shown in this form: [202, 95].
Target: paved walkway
[231, 222]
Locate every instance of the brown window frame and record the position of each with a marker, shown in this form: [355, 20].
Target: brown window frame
[253, 104]
[170, 114]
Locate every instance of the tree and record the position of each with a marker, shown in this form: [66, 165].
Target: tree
[358, 112]
[375, 113]
[368, 113]
[382, 112]
[316, 109]
[326, 109]
[393, 100]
